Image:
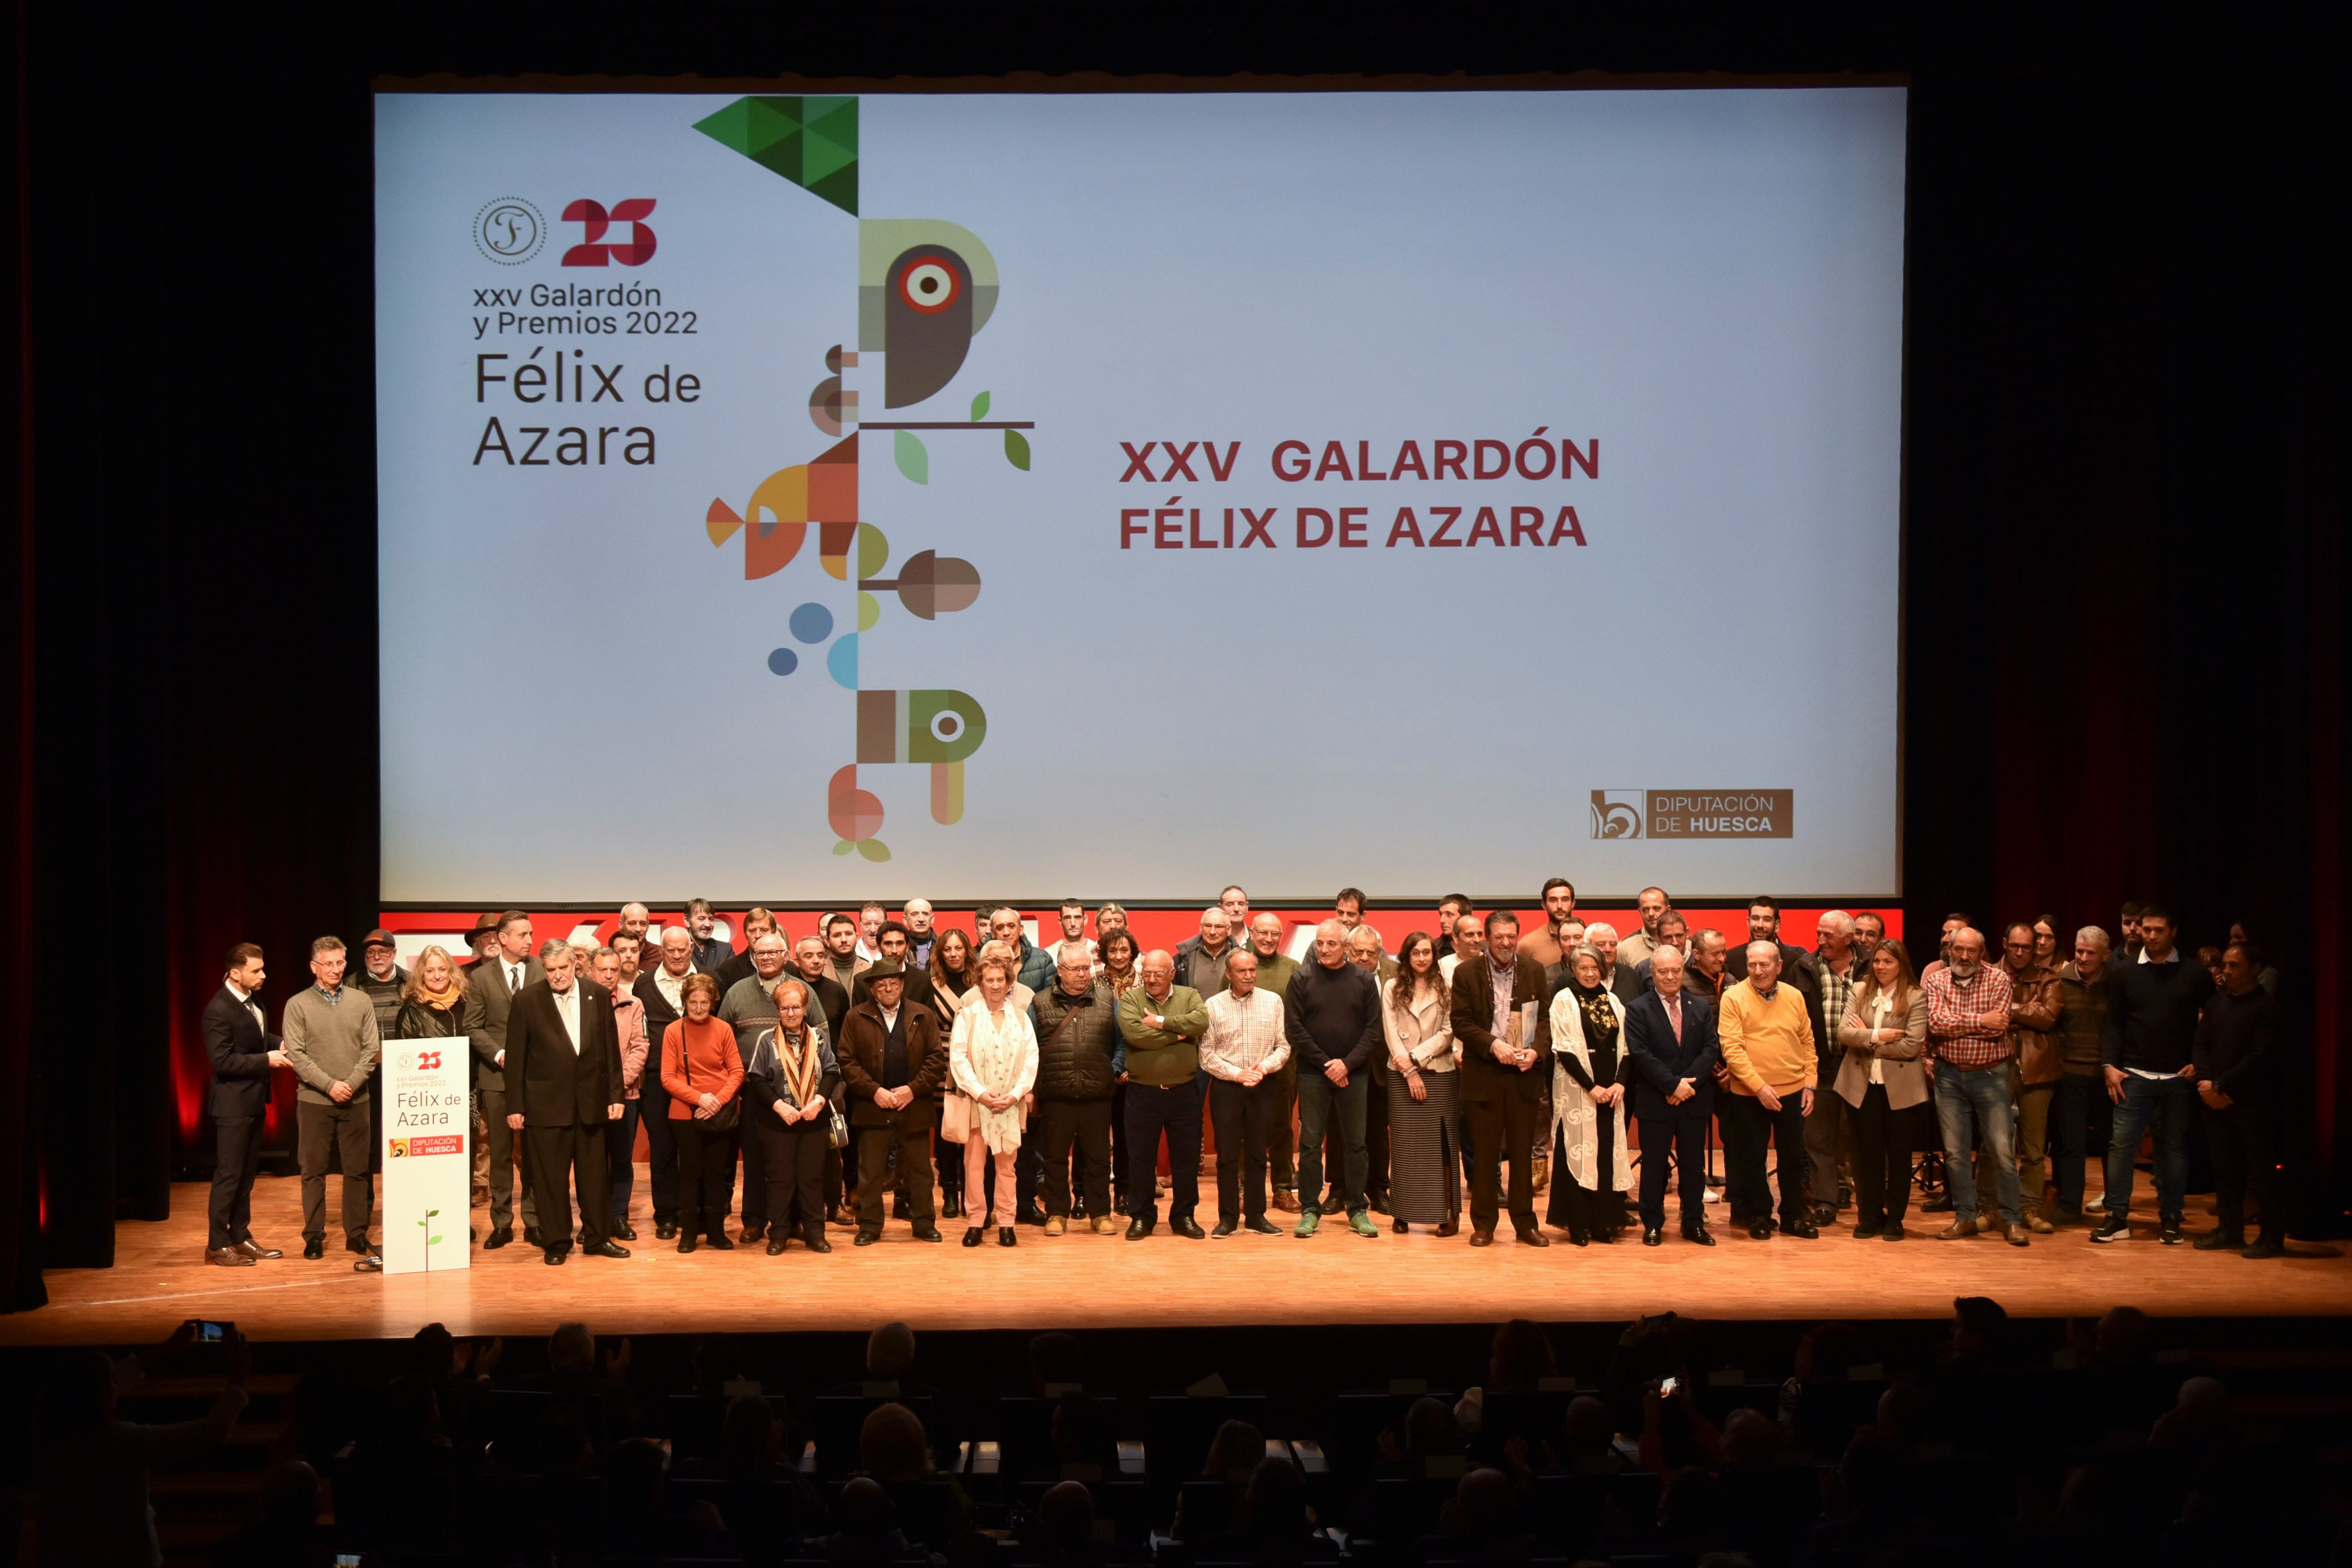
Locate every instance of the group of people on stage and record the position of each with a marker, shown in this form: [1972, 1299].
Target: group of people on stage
[837, 1073]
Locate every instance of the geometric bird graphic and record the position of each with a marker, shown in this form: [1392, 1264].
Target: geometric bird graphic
[925, 287]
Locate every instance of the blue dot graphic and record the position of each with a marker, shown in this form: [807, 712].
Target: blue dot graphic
[812, 623]
[783, 661]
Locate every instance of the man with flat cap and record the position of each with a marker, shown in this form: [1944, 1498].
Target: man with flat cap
[893, 1059]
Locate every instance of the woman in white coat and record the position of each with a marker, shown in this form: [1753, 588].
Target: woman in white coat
[1590, 1174]
[1424, 1092]
[992, 1061]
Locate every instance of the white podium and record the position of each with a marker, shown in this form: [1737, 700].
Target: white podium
[428, 1134]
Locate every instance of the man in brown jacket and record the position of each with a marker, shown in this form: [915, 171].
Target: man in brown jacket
[893, 1060]
[1504, 1028]
[2034, 1066]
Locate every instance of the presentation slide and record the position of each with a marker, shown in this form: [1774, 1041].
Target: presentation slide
[1006, 495]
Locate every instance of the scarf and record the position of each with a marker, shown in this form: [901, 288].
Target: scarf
[1599, 1019]
[799, 1059]
[1123, 982]
[441, 1003]
[994, 1048]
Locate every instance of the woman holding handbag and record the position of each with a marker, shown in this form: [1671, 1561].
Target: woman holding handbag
[702, 1070]
[992, 1062]
[791, 1082]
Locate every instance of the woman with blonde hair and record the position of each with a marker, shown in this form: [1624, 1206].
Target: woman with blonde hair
[1591, 1175]
[432, 1004]
[993, 1060]
[1879, 1074]
[1424, 1093]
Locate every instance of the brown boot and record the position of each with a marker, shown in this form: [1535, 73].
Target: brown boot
[2035, 1223]
[1958, 1230]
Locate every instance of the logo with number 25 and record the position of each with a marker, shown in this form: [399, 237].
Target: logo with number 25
[594, 250]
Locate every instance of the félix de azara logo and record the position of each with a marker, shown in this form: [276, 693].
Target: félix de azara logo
[1693, 813]
[510, 230]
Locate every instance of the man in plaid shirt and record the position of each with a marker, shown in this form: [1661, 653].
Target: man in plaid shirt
[1968, 1049]
[1842, 968]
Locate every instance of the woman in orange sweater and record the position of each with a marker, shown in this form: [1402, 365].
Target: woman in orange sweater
[703, 1073]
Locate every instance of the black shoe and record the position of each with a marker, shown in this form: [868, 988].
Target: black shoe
[929, 1232]
[1805, 1229]
[2265, 1246]
[1760, 1230]
[1579, 1238]
[1029, 1214]
[1605, 1237]
[1531, 1236]
[1940, 1203]
[1226, 1227]
[530, 1234]
[555, 1255]
[2115, 1228]
[751, 1232]
[1699, 1235]
[2216, 1240]
[1482, 1238]
[1823, 1214]
[1893, 1232]
[1377, 1203]
[718, 1242]
[1401, 1228]
[368, 1263]
[1005, 1237]
[1261, 1226]
[2170, 1232]
[607, 1248]
[775, 1245]
[665, 1230]
[1187, 1227]
[973, 1235]
[315, 1247]
[1449, 1226]
[1864, 1232]
[624, 1233]
[866, 1239]
[816, 1242]
[688, 1242]
[899, 1206]
[1138, 1229]
[1654, 1236]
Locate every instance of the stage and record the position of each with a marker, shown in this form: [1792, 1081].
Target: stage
[1083, 1281]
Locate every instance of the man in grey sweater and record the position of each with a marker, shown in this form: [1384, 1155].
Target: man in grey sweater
[332, 1043]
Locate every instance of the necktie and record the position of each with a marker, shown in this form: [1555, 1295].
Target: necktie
[1675, 1016]
[514, 978]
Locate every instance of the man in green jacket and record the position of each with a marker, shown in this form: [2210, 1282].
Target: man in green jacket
[1160, 1023]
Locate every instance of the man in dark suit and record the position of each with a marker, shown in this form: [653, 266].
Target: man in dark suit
[893, 1060]
[492, 985]
[1670, 1046]
[1505, 1064]
[243, 1051]
[563, 1084]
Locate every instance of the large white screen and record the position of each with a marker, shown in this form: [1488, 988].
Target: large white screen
[1700, 291]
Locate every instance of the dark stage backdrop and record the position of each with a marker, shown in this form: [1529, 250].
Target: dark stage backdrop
[2124, 575]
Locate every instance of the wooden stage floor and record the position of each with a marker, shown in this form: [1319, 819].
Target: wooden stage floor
[1082, 1280]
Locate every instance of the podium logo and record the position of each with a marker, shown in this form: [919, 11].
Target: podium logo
[1693, 813]
[508, 230]
[1619, 813]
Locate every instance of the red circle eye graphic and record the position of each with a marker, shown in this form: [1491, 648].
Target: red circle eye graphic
[928, 286]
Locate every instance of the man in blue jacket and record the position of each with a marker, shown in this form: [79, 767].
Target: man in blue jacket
[1670, 1046]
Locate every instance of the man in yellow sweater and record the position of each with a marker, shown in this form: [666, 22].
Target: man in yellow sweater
[1766, 1036]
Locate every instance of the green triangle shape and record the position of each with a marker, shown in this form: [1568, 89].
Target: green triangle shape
[783, 157]
[834, 118]
[812, 141]
[820, 157]
[840, 188]
[730, 127]
[771, 119]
